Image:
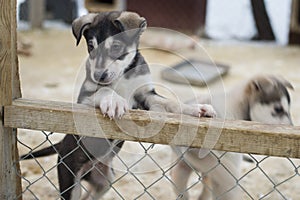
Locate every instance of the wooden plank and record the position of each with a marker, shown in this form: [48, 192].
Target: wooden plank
[10, 182]
[235, 136]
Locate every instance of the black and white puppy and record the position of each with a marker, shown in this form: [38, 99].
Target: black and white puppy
[117, 79]
[263, 99]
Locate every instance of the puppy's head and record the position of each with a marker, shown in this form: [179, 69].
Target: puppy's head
[269, 100]
[112, 39]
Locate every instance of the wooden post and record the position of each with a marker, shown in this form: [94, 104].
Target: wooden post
[294, 34]
[262, 21]
[36, 13]
[10, 182]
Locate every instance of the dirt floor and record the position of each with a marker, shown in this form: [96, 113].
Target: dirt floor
[55, 66]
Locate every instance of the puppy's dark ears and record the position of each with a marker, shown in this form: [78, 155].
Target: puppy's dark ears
[130, 20]
[266, 82]
[261, 83]
[284, 82]
[80, 24]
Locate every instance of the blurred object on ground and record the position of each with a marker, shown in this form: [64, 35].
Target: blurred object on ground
[195, 72]
[24, 46]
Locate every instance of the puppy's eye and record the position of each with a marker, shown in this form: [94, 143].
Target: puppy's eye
[279, 109]
[116, 48]
[90, 46]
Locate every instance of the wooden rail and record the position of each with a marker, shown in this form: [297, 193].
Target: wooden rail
[235, 136]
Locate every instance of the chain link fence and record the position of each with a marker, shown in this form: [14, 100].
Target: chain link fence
[144, 171]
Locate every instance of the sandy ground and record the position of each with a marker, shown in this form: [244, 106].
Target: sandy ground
[52, 71]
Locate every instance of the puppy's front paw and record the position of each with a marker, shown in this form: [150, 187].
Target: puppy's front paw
[207, 110]
[113, 106]
[202, 110]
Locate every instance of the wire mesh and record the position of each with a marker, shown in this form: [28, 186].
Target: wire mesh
[146, 171]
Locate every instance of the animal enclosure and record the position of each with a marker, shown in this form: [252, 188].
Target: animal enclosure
[143, 175]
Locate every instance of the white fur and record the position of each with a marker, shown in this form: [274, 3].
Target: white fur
[233, 105]
[128, 87]
[108, 42]
[76, 191]
[95, 43]
[111, 104]
[115, 67]
[265, 113]
[93, 63]
[90, 86]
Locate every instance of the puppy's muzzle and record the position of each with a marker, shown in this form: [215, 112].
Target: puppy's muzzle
[103, 77]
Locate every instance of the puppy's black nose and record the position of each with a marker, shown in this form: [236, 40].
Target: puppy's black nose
[101, 76]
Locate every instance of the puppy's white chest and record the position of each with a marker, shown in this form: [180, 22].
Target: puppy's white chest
[127, 88]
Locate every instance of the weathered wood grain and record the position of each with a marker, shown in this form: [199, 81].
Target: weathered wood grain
[160, 128]
[10, 183]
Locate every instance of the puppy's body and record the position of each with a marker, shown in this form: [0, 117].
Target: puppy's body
[263, 99]
[117, 79]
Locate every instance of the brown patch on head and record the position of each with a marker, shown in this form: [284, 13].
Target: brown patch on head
[130, 20]
[122, 20]
[105, 24]
[267, 89]
[284, 82]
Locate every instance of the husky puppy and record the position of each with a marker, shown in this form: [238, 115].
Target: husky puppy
[263, 99]
[117, 79]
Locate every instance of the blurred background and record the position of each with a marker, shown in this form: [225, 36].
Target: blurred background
[242, 37]
[216, 19]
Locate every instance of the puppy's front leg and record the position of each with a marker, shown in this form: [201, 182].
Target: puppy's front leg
[180, 174]
[110, 103]
[158, 103]
[198, 110]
